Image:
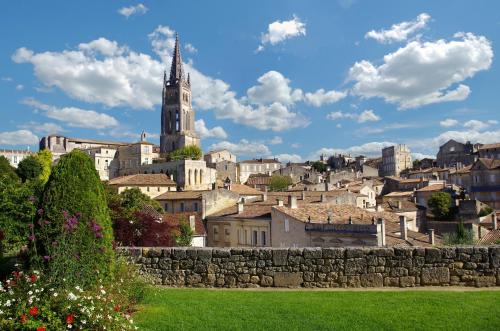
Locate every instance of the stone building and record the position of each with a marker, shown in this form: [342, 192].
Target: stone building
[151, 185]
[105, 161]
[177, 114]
[219, 156]
[257, 166]
[454, 153]
[395, 159]
[14, 156]
[489, 151]
[485, 182]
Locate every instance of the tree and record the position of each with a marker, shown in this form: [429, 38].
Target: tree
[185, 234]
[485, 211]
[279, 183]
[190, 152]
[319, 166]
[417, 164]
[6, 169]
[439, 204]
[73, 238]
[29, 168]
[462, 236]
[44, 157]
[133, 200]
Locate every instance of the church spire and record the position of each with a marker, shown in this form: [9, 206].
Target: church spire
[176, 68]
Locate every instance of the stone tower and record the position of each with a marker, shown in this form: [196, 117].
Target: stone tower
[177, 114]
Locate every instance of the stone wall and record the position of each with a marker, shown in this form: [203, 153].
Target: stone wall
[319, 267]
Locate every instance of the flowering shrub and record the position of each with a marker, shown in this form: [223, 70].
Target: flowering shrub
[29, 302]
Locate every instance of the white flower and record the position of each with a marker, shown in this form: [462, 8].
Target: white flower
[7, 304]
[72, 297]
[55, 294]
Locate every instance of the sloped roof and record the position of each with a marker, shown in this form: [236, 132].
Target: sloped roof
[489, 146]
[432, 188]
[489, 164]
[143, 180]
[260, 161]
[492, 237]
[180, 195]
[244, 189]
[258, 179]
[174, 218]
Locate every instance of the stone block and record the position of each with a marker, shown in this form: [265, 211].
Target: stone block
[355, 266]
[485, 281]
[407, 281]
[435, 276]
[313, 253]
[178, 253]
[221, 252]
[266, 281]
[288, 279]
[372, 280]
[432, 255]
[391, 281]
[494, 253]
[204, 254]
[333, 253]
[280, 256]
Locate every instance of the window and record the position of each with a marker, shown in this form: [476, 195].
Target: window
[254, 238]
[182, 206]
[106, 164]
[195, 206]
[287, 225]
[15, 158]
[166, 207]
[226, 234]
[216, 233]
[147, 188]
[246, 237]
[263, 238]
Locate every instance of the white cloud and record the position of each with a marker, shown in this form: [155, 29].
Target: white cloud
[243, 147]
[448, 122]
[274, 87]
[276, 140]
[478, 125]
[423, 73]
[322, 97]
[7, 79]
[19, 87]
[285, 158]
[190, 48]
[295, 145]
[204, 132]
[19, 137]
[368, 149]
[139, 9]
[279, 31]
[43, 128]
[420, 156]
[400, 31]
[365, 116]
[104, 72]
[75, 117]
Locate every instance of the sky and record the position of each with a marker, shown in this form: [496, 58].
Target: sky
[287, 79]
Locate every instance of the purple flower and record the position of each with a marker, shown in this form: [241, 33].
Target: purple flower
[31, 238]
[96, 229]
[46, 258]
[77, 257]
[32, 199]
[30, 225]
[71, 224]
[40, 211]
[65, 214]
[46, 222]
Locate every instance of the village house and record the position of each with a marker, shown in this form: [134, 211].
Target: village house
[453, 153]
[393, 184]
[423, 194]
[395, 159]
[104, 161]
[485, 179]
[151, 185]
[260, 182]
[489, 151]
[14, 156]
[257, 166]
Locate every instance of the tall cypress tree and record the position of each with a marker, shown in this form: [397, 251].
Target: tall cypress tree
[74, 235]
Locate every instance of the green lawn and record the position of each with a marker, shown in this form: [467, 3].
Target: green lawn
[193, 309]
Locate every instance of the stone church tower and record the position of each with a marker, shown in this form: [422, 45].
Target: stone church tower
[177, 114]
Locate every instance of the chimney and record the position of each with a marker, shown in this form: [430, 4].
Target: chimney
[494, 223]
[415, 200]
[292, 201]
[350, 219]
[381, 226]
[399, 204]
[240, 207]
[326, 186]
[403, 227]
[323, 197]
[264, 196]
[280, 202]
[432, 240]
[192, 222]
[172, 177]
[303, 195]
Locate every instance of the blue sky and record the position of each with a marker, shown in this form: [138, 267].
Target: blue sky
[291, 79]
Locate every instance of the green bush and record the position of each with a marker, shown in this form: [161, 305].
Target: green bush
[190, 152]
[6, 169]
[462, 236]
[485, 211]
[279, 183]
[440, 203]
[319, 166]
[185, 233]
[73, 237]
[29, 168]
[45, 158]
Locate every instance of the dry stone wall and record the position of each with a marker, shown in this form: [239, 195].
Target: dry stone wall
[319, 267]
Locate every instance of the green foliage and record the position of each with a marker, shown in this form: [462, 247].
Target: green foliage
[17, 210]
[462, 236]
[439, 204]
[185, 235]
[6, 169]
[416, 164]
[279, 183]
[74, 234]
[133, 200]
[319, 166]
[190, 152]
[45, 158]
[32, 302]
[485, 211]
[29, 168]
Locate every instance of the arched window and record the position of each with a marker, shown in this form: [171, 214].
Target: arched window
[201, 176]
[177, 121]
[196, 176]
[189, 176]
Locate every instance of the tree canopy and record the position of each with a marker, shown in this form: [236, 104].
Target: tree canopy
[6, 169]
[319, 166]
[440, 203]
[190, 152]
[29, 168]
[279, 183]
[44, 157]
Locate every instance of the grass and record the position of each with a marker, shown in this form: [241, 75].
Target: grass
[198, 309]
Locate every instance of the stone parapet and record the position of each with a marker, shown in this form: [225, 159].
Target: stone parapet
[319, 267]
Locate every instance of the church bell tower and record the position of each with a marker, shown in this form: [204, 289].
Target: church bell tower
[177, 114]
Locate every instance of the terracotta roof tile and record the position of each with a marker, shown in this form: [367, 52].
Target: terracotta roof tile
[244, 189]
[489, 146]
[432, 188]
[258, 179]
[260, 161]
[174, 218]
[492, 237]
[143, 180]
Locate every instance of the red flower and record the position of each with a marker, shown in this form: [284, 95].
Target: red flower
[69, 319]
[23, 318]
[117, 308]
[33, 278]
[33, 311]
[41, 328]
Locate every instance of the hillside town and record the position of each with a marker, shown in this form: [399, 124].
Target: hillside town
[337, 201]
